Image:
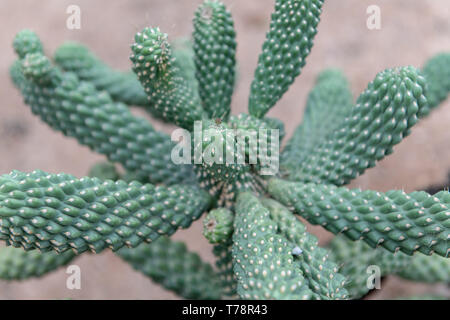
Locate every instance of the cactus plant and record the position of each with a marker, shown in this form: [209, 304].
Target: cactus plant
[263, 250]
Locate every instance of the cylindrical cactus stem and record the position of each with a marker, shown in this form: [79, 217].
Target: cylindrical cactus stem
[170, 95]
[223, 169]
[218, 230]
[288, 43]
[329, 102]
[122, 86]
[218, 225]
[79, 110]
[25, 42]
[437, 72]
[383, 115]
[18, 264]
[430, 269]
[355, 257]
[104, 171]
[275, 123]
[183, 55]
[263, 260]
[357, 260]
[320, 271]
[224, 263]
[394, 220]
[170, 264]
[215, 51]
[59, 212]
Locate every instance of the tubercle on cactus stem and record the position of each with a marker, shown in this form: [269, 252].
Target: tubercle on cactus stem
[262, 250]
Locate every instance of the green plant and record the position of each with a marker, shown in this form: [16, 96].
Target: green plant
[263, 251]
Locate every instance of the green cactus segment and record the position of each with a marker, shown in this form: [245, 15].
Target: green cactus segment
[218, 141]
[320, 271]
[122, 86]
[247, 122]
[25, 42]
[262, 141]
[356, 258]
[275, 123]
[395, 220]
[382, 117]
[16, 74]
[78, 110]
[183, 54]
[60, 212]
[39, 69]
[104, 171]
[215, 51]
[170, 264]
[430, 269]
[329, 102]
[218, 225]
[262, 260]
[223, 168]
[288, 43]
[170, 95]
[17, 264]
[224, 263]
[437, 73]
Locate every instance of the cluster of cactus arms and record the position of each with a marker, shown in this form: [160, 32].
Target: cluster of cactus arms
[137, 199]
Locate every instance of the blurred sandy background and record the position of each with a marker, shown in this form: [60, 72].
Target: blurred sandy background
[412, 31]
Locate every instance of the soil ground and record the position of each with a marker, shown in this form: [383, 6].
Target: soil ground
[411, 31]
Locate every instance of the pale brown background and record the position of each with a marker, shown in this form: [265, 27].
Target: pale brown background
[412, 31]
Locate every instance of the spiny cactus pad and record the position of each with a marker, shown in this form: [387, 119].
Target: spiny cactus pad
[395, 220]
[38, 68]
[328, 104]
[421, 268]
[321, 273]
[104, 171]
[381, 118]
[223, 252]
[437, 72]
[234, 166]
[17, 264]
[79, 110]
[222, 176]
[264, 265]
[170, 95]
[288, 43]
[215, 51]
[122, 86]
[44, 211]
[218, 225]
[355, 257]
[25, 42]
[170, 264]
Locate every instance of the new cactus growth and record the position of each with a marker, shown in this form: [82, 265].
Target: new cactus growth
[263, 250]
